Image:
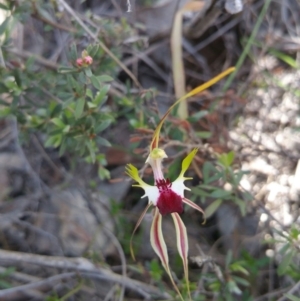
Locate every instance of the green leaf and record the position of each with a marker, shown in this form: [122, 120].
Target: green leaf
[67, 129]
[285, 58]
[242, 205]
[101, 127]
[63, 146]
[103, 173]
[237, 267]
[207, 169]
[200, 192]
[203, 134]
[197, 116]
[91, 105]
[103, 141]
[88, 72]
[95, 82]
[100, 96]
[286, 261]
[54, 141]
[73, 52]
[226, 159]
[241, 280]
[104, 78]
[45, 14]
[155, 270]
[93, 49]
[89, 93]
[2, 6]
[292, 297]
[79, 107]
[65, 69]
[228, 258]
[5, 284]
[233, 288]
[294, 233]
[4, 25]
[58, 122]
[220, 193]
[91, 149]
[55, 109]
[212, 208]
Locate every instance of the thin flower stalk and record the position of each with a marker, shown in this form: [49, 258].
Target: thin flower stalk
[168, 197]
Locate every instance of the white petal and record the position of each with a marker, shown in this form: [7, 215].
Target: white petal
[179, 187]
[152, 193]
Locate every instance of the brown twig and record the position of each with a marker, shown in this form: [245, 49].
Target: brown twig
[19, 292]
[26, 54]
[83, 267]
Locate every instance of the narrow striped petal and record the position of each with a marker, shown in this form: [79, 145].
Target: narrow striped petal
[195, 206]
[155, 139]
[135, 228]
[157, 240]
[182, 246]
[159, 245]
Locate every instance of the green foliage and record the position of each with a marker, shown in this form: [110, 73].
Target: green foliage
[292, 297]
[67, 105]
[289, 252]
[156, 270]
[237, 278]
[73, 117]
[223, 172]
[4, 283]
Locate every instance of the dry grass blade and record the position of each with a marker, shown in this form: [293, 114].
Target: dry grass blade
[177, 57]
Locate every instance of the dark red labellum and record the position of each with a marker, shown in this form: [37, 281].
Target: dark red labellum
[168, 201]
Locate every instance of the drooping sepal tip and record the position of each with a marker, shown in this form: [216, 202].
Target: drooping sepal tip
[182, 246]
[195, 206]
[136, 227]
[159, 246]
[201, 88]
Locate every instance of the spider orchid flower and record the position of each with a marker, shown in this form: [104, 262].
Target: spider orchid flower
[168, 197]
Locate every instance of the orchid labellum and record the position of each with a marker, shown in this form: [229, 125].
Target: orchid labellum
[168, 197]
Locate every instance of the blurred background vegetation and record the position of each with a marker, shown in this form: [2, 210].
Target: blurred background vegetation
[84, 84]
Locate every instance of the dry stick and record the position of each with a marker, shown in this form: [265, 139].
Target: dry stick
[272, 294]
[122, 257]
[152, 65]
[55, 24]
[148, 51]
[82, 266]
[290, 292]
[20, 277]
[16, 293]
[26, 54]
[102, 45]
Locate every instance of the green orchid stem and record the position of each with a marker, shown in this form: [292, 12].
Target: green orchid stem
[248, 45]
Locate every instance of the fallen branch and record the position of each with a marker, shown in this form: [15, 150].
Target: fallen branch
[22, 291]
[84, 268]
